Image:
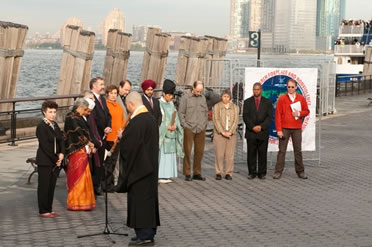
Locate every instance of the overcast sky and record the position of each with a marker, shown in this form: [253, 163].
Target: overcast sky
[204, 17]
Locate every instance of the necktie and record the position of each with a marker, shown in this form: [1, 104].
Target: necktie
[150, 101]
[257, 103]
[100, 101]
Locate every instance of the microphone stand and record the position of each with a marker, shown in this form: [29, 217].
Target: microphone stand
[106, 230]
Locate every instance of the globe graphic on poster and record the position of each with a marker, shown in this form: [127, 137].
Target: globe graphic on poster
[273, 88]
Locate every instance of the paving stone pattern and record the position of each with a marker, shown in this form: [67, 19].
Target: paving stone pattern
[332, 208]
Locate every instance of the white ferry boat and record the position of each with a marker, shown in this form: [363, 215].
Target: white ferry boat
[349, 50]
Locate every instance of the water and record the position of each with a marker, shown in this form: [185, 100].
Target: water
[40, 69]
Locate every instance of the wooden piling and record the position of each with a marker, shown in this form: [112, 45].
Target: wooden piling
[12, 39]
[182, 60]
[76, 62]
[155, 56]
[214, 65]
[367, 68]
[191, 58]
[158, 58]
[117, 55]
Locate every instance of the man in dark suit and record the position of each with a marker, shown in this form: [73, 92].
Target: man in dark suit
[257, 115]
[103, 121]
[152, 104]
[124, 89]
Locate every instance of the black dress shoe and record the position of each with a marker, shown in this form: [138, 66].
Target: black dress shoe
[198, 177]
[218, 177]
[139, 242]
[250, 176]
[188, 178]
[98, 192]
[228, 177]
[261, 176]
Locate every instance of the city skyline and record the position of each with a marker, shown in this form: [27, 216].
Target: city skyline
[202, 17]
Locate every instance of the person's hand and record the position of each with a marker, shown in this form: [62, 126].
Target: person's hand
[58, 163]
[120, 133]
[296, 114]
[90, 145]
[280, 134]
[60, 156]
[172, 127]
[257, 128]
[226, 134]
[107, 130]
[94, 150]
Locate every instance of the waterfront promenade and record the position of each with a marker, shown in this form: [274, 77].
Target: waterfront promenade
[332, 208]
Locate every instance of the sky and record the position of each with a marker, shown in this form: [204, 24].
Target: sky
[203, 17]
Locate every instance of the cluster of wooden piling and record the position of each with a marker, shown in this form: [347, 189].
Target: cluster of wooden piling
[117, 55]
[156, 55]
[12, 39]
[195, 57]
[78, 49]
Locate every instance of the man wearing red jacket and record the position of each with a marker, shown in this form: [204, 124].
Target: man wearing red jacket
[290, 110]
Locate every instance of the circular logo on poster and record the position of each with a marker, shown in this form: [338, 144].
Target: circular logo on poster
[274, 85]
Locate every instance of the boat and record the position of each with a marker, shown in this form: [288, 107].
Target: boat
[349, 51]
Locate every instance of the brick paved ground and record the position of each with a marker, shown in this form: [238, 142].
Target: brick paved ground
[332, 208]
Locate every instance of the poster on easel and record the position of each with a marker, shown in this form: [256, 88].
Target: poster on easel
[274, 84]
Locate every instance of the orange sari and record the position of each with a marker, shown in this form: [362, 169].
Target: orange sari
[79, 183]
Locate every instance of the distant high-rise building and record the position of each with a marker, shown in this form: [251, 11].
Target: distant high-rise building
[114, 20]
[267, 23]
[70, 21]
[295, 25]
[255, 15]
[239, 18]
[329, 16]
[139, 32]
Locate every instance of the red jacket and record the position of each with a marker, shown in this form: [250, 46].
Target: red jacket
[283, 113]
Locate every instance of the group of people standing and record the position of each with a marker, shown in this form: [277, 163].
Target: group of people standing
[146, 135]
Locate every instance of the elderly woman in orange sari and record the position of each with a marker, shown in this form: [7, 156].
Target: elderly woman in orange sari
[78, 146]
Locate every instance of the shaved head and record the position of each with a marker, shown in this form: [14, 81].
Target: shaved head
[133, 100]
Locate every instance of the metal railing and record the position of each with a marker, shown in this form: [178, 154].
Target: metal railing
[350, 49]
[350, 85]
[13, 113]
[351, 29]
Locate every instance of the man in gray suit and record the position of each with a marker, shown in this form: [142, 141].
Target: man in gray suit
[124, 89]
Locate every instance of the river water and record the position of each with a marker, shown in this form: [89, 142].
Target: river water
[40, 69]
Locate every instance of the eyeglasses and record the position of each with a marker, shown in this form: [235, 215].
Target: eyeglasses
[290, 87]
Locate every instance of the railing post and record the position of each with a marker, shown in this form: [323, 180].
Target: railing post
[13, 127]
[352, 87]
[346, 83]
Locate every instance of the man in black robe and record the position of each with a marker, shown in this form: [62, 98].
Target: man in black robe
[139, 150]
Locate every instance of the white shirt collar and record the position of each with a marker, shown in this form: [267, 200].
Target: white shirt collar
[292, 98]
[96, 94]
